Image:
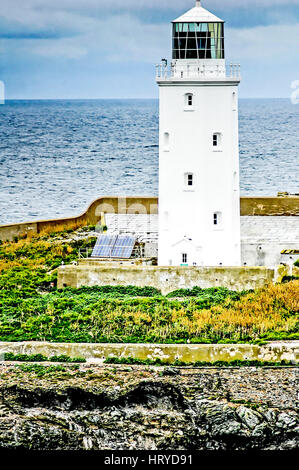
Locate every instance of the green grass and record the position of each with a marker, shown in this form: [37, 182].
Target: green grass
[41, 370]
[159, 362]
[41, 358]
[32, 309]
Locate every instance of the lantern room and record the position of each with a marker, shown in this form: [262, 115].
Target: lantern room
[198, 34]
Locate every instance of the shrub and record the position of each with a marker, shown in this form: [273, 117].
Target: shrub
[41, 358]
[159, 362]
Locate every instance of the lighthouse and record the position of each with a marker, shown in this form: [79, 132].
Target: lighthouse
[199, 196]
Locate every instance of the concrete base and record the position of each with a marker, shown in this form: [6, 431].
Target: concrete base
[169, 353]
[167, 279]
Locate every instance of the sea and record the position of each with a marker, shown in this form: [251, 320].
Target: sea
[58, 156]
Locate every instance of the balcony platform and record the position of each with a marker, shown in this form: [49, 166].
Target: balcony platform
[176, 73]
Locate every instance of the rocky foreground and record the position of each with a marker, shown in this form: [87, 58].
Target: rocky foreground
[104, 407]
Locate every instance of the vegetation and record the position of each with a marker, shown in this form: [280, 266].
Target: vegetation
[218, 294]
[41, 370]
[31, 307]
[159, 362]
[41, 358]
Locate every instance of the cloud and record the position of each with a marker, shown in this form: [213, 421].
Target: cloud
[125, 5]
[40, 13]
[125, 38]
[134, 42]
[267, 44]
[57, 49]
[101, 37]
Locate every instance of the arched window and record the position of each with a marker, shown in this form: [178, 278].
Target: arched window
[166, 141]
[189, 100]
[235, 181]
[217, 140]
[234, 101]
[165, 220]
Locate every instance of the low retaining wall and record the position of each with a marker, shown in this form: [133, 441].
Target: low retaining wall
[167, 279]
[250, 206]
[106, 204]
[169, 353]
[266, 206]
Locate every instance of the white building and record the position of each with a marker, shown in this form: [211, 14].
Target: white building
[199, 200]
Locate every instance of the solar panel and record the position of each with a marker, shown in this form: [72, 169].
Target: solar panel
[117, 246]
[104, 246]
[123, 247]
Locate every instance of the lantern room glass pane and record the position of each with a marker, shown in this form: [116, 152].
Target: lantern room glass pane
[198, 41]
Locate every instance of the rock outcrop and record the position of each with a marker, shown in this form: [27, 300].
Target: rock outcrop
[93, 407]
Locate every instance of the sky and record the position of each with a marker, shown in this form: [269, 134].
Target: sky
[62, 49]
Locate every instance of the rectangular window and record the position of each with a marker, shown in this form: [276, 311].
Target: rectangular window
[189, 181]
[190, 100]
[184, 258]
[217, 141]
[217, 219]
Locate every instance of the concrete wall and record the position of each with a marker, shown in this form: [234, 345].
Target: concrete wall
[106, 204]
[262, 206]
[97, 353]
[264, 238]
[167, 279]
[288, 205]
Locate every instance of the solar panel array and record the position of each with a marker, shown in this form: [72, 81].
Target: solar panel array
[114, 246]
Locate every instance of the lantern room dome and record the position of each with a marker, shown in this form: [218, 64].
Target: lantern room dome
[198, 14]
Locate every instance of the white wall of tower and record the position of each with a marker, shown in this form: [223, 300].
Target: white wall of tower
[186, 213]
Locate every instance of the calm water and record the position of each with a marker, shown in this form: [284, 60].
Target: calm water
[57, 156]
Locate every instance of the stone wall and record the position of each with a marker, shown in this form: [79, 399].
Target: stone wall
[264, 238]
[167, 279]
[266, 206]
[168, 353]
[106, 204]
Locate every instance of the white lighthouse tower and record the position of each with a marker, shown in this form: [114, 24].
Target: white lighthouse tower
[199, 200]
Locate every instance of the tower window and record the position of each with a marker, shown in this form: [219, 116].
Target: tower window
[217, 140]
[234, 101]
[235, 181]
[166, 141]
[166, 220]
[217, 219]
[189, 180]
[184, 258]
[189, 101]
